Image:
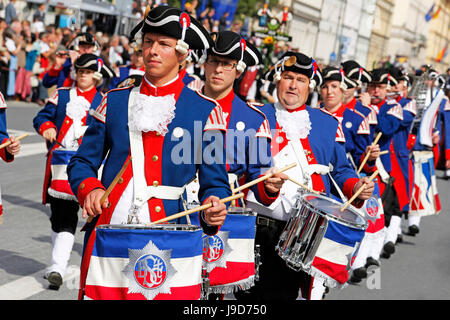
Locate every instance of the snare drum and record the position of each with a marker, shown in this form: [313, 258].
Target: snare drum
[229, 255]
[59, 186]
[320, 239]
[137, 262]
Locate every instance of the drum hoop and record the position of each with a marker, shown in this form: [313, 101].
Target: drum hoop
[250, 213]
[331, 217]
[163, 227]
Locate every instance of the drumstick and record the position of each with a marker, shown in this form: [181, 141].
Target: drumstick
[368, 153]
[265, 177]
[7, 143]
[384, 152]
[111, 186]
[303, 186]
[357, 193]
[193, 210]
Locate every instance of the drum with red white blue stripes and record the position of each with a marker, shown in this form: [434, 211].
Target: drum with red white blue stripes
[229, 255]
[320, 239]
[59, 186]
[138, 262]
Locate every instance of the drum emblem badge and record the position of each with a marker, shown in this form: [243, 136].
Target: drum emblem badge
[372, 208]
[149, 271]
[215, 250]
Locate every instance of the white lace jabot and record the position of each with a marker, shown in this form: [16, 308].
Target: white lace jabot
[296, 125]
[150, 113]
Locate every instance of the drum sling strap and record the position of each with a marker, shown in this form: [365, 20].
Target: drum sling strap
[142, 192]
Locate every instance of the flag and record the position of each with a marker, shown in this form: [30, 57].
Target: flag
[431, 14]
[442, 54]
[220, 7]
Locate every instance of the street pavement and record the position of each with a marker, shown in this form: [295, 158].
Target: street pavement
[419, 269]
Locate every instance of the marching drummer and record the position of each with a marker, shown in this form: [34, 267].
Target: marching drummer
[308, 137]
[355, 97]
[248, 134]
[401, 163]
[246, 124]
[62, 123]
[425, 198]
[389, 118]
[62, 72]
[354, 124]
[159, 129]
[7, 153]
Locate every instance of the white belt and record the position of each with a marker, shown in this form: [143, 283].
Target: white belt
[143, 192]
[159, 192]
[382, 171]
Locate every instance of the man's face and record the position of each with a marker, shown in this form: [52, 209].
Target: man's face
[85, 78]
[399, 88]
[220, 73]
[377, 91]
[160, 56]
[85, 48]
[293, 89]
[349, 94]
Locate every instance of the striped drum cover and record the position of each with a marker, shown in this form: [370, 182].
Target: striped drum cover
[59, 185]
[135, 262]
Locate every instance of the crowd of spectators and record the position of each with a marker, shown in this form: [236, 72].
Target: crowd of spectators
[29, 47]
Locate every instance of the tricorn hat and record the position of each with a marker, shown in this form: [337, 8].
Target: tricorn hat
[92, 62]
[231, 45]
[177, 24]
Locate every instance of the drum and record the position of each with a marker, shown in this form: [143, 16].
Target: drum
[59, 186]
[320, 239]
[425, 199]
[137, 262]
[229, 256]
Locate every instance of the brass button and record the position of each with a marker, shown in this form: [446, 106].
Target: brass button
[67, 121]
[155, 183]
[158, 209]
[155, 158]
[120, 181]
[82, 186]
[158, 134]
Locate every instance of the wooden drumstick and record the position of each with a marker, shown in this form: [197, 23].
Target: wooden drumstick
[7, 143]
[111, 186]
[193, 210]
[384, 152]
[265, 177]
[368, 153]
[303, 186]
[357, 193]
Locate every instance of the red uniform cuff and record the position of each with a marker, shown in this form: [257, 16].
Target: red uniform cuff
[447, 154]
[367, 167]
[86, 187]
[53, 72]
[46, 125]
[349, 185]
[266, 199]
[5, 155]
